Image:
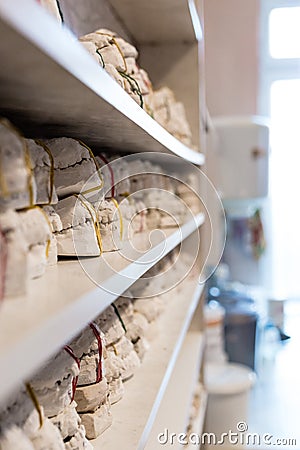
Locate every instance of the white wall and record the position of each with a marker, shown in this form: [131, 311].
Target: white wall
[232, 56]
[232, 85]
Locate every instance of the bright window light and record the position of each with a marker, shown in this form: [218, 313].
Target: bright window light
[284, 37]
[285, 181]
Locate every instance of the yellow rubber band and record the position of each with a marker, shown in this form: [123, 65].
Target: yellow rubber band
[29, 173]
[96, 188]
[48, 248]
[115, 349]
[120, 216]
[125, 194]
[94, 159]
[95, 222]
[121, 53]
[36, 403]
[97, 229]
[3, 185]
[118, 47]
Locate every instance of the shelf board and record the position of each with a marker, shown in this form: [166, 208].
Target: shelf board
[134, 415]
[159, 21]
[199, 421]
[65, 299]
[175, 407]
[50, 86]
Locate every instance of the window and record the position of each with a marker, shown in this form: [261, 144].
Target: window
[280, 99]
[284, 32]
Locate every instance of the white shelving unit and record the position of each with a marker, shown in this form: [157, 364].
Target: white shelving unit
[50, 86]
[78, 98]
[65, 300]
[174, 411]
[177, 20]
[135, 414]
[198, 424]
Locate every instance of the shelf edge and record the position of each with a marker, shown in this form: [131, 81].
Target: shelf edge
[76, 61]
[82, 311]
[171, 365]
[174, 414]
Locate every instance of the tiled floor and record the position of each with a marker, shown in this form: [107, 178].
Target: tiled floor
[275, 400]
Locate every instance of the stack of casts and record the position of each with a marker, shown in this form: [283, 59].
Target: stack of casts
[71, 399]
[59, 199]
[43, 415]
[119, 59]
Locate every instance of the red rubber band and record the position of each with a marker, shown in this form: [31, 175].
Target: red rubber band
[99, 340]
[75, 379]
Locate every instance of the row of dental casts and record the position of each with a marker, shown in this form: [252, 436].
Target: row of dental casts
[70, 400]
[119, 59]
[59, 199]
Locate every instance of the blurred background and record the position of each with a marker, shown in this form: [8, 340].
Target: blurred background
[252, 54]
